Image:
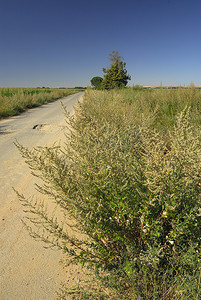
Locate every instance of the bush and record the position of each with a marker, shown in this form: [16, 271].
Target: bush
[134, 193]
[97, 82]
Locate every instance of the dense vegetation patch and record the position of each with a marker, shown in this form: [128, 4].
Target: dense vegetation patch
[14, 101]
[130, 177]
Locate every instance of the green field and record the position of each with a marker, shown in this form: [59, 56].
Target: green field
[14, 101]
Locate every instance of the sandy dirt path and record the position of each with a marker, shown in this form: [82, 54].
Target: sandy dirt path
[27, 269]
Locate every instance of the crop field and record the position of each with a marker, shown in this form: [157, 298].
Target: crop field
[13, 101]
[130, 177]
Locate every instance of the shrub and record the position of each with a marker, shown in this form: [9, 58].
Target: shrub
[134, 193]
[97, 82]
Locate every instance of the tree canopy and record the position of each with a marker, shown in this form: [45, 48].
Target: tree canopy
[115, 55]
[116, 75]
[96, 82]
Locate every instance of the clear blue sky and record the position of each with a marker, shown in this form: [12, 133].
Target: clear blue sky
[67, 42]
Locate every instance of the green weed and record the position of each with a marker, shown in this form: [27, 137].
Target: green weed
[129, 176]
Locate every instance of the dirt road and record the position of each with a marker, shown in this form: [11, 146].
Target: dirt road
[27, 270]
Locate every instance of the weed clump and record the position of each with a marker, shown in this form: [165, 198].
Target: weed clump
[133, 190]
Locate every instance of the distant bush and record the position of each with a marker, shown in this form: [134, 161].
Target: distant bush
[96, 82]
[133, 189]
[138, 87]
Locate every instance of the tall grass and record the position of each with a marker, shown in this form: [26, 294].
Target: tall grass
[13, 101]
[130, 178]
[167, 103]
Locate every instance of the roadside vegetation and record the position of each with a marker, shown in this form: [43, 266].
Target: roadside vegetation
[14, 101]
[129, 177]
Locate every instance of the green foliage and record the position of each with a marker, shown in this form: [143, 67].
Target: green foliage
[97, 82]
[133, 189]
[116, 76]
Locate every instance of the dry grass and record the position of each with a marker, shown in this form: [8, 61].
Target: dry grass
[14, 101]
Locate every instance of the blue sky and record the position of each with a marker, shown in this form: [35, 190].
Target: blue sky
[66, 43]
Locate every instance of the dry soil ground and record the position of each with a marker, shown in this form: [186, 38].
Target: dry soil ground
[27, 269]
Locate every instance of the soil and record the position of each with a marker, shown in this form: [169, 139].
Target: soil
[28, 270]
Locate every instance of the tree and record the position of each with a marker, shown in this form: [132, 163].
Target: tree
[115, 56]
[116, 75]
[96, 82]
